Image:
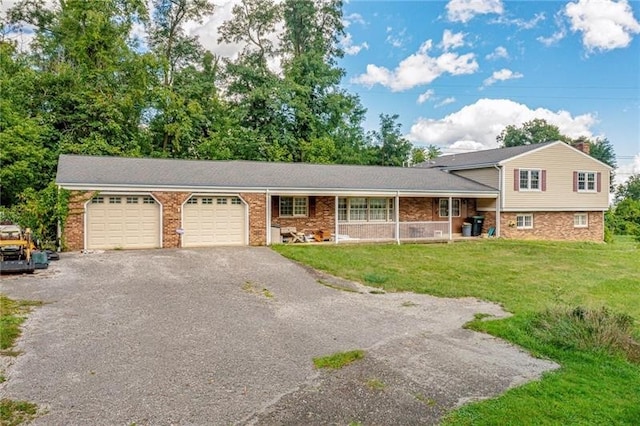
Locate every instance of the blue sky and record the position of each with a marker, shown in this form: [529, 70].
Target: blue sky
[457, 72]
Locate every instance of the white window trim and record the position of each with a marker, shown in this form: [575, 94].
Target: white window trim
[581, 225]
[524, 215]
[586, 181]
[453, 202]
[528, 188]
[389, 210]
[293, 207]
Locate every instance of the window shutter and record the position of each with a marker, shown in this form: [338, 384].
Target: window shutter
[599, 182]
[575, 181]
[516, 179]
[543, 178]
[312, 206]
[275, 206]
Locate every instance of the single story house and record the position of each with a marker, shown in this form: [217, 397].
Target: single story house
[118, 202]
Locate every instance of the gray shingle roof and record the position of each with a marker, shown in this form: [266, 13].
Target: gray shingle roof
[90, 171]
[487, 157]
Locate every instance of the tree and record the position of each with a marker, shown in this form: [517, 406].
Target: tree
[602, 150]
[392, 148]
[531, 132]
[629, 190]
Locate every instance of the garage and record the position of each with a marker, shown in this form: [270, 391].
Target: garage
[123, 222]
[213, 221]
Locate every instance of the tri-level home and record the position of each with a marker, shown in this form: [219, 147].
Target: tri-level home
[546, 191]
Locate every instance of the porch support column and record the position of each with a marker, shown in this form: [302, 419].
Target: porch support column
[497, 234]
[450, 219]
[268, 217]
[397, 216]
[336, 221]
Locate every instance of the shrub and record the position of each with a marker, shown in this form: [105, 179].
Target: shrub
[596, 330]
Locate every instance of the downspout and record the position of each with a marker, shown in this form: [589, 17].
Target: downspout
[499, 199]
[450, 218]
[268, 215]
[397, 216]
[336, 221]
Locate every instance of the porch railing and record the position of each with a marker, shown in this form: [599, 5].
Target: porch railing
[386, 231]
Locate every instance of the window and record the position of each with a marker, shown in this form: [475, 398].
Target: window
[207, 201]
[115, 200]
[192, 200]
[236, 201]
[580, 220]
[443, 207]
[361, 209]
[97, 200]
[586, 181]
[148, 200]
[529, 180]
[524, 221]
[294, 206]
[221, 201]
[132, 200]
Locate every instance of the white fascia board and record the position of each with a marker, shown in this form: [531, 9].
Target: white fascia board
[554, 144]
[279, 191]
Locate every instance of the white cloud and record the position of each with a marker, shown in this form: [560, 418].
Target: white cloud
[625, 171]
[424, 97]
[451, 40]
[503, 75]
[353, 18]
[352, 49]
[465, 10]
[521, 23]
[396, 40]
[481, 122]
[561, 33]
[499, 52]
[604, 24]
[445, 101]
[418, 69]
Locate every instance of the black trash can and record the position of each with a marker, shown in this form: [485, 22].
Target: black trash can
[476, 225]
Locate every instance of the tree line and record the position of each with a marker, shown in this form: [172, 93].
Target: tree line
[89, 85]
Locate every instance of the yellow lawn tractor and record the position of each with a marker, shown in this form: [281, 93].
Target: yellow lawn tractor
[16, 250]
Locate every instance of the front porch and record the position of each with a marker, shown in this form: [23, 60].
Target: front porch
[341, 219]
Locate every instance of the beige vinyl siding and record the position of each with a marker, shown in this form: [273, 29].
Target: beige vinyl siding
[488, 176]
[486, 204]
[559, 161]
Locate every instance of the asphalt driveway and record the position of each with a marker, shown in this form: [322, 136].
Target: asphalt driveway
[227, 336]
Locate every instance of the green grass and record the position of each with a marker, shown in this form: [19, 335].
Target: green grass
[12, 315]
[338, 359]
[16, 412]
[575, 303]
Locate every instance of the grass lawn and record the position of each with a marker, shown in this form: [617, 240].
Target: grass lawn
[597, 384]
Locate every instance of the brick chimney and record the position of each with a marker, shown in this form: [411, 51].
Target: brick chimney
[583, 146]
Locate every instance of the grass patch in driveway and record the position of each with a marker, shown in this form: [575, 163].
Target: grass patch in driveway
[575, 303]
[338, 359]
[16, 412]
[12, 315]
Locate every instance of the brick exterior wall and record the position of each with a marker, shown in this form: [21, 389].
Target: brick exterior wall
[322, 211]
[73, 228]
[257, 205]
[416, 209]
[171, 216]
[553, 226]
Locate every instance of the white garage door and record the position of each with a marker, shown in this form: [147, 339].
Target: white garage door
[120, 221]
[212, 221]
